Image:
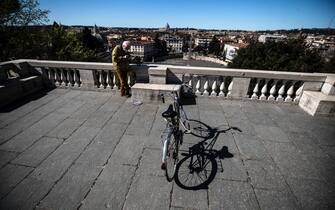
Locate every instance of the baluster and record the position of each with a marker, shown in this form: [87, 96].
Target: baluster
[70, 78]
[281, 93]
[190, 81]
[197, 87]
[222, 89]
[255, 91]
[290, 93]
[57, 83]
[101, 80]
[62, 77]
[114, 82]
[108, 80]
[76, 78]
[128, 81]
[206, 88]
[51, 75]
[298, 93]
[273, 91]
[214, 87]
[67, 77]
[264, 90]
[230, 88]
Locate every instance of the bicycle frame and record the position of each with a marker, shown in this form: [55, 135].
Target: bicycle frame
[172, 126]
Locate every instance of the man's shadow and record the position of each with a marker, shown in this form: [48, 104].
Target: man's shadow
[198, 166]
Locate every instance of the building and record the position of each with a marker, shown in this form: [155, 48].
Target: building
[174, 43]
[230, 50]
[203, 41]
[143, 49]
[165, 29]
[269, 37]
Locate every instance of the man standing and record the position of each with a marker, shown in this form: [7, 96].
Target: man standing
[120, 59]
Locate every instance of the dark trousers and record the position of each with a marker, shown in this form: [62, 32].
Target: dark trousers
[124, 88]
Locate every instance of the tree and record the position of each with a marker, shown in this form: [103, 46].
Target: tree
[214, 46]
[68, 45]
[16, 39]
[160, 45]
[292, 55]
[7, 9]
[88, 40]
[22, 13]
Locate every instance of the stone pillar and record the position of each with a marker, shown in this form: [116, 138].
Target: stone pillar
[328, 86]
[240, 87]
[157, 75]
[87, 80]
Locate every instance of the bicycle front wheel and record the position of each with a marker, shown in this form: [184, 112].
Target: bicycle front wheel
[195, 171]
[172, 158]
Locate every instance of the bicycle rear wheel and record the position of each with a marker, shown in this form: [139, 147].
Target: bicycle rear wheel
[172, 158]
[195, 171]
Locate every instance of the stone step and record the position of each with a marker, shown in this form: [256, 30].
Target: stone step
[318, 103]
[145, 92]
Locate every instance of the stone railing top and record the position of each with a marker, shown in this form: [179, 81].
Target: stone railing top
[156, 68]
[250, 73]
[63, 64]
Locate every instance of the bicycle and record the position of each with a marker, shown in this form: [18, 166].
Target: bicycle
[198, 168]
[172, 136]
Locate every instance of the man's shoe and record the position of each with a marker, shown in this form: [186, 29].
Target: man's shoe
[128, 95]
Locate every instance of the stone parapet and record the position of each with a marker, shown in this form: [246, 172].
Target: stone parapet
[317, 103]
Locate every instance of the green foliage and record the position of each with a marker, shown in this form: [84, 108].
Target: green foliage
[19, 40]
[160, 45]
[292, 55]
[214, 46]
[22, 13]
[88, 40]
[68, 46]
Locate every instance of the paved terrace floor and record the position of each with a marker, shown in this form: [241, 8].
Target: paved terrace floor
[90, 150]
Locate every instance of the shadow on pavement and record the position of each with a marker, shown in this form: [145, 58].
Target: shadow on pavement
[24, 100]
[199, 165]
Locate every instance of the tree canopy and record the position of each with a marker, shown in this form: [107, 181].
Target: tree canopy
[214, 46]
[22, 13]
[20, 40]
[292, 55]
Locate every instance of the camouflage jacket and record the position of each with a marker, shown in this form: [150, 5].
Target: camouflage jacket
[120, 63]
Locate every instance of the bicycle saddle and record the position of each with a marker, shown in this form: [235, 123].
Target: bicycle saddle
[169, 112]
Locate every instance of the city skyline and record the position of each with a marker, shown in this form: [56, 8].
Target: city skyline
[237, 15]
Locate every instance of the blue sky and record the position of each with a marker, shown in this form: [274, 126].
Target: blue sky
[208, 14]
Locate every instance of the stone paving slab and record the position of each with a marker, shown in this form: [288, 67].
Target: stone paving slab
[264, 174]
[41, 180]
[25, 139]
[10, 176]
[27, 121]
[189, 199]
[232, 195]
[43, 147]
[279, 200]
[65, 128]
[10, 117]
[93, 150]
[111, 188]
[6, 156]
[313, 194]
[148, 192]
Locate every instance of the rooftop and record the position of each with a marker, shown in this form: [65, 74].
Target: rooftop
[70, 149]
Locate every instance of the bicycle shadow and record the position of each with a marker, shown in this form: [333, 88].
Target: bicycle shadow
[199, 165]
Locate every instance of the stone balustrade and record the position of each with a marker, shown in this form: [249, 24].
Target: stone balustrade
[77, 75]
[272, 86]
[254, 85]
